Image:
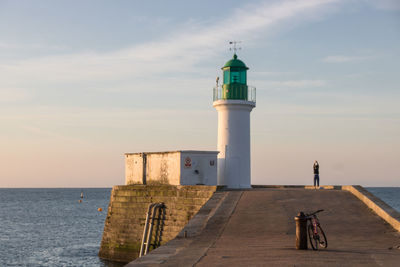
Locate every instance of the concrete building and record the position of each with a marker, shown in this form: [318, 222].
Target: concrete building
[187, 167]
[234, 101]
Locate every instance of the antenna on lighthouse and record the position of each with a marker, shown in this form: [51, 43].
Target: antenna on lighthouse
[234, 46]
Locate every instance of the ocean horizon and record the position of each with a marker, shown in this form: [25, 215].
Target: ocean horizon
[52, 227]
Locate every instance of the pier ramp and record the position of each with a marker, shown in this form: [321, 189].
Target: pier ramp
[256, 227]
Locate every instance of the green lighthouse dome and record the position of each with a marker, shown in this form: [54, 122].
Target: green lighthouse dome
[235, 63]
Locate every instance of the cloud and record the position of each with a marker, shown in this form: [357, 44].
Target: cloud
[341, 58]
[392, 5]
[38, 131]
[180, 52]
[13, 95]
[293, 84]
[25, 46]
[89, 117]
[271, 73]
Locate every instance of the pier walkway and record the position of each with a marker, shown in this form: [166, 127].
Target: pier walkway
[256, 228]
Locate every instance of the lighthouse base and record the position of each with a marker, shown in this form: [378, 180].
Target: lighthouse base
[234, 142]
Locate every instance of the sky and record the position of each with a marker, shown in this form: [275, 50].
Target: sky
[83, 82]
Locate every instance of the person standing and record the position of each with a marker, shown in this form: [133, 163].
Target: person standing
[316, 173]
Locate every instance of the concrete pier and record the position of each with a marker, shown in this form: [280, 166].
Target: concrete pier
[126, 215]
[256, 228]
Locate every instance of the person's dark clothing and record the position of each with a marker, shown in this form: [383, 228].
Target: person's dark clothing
[316, 179]
[316, 174]
[316, 168]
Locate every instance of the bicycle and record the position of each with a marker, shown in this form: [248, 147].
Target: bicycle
[315, 232]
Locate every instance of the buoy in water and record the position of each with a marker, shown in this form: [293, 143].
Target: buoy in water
[99, 209]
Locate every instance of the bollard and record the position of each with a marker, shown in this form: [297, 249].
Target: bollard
[301, 231]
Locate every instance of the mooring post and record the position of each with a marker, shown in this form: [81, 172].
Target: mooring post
[301, 231]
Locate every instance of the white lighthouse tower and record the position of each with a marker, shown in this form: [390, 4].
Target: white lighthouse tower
[234, 101]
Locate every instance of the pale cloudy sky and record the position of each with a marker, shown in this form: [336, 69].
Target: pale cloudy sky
[83, 82]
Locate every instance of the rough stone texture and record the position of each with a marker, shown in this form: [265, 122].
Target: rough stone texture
[221, 204]
[259, 230]
[127, 213]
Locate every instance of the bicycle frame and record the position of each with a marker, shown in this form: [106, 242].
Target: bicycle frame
[314, 234]
[315, 223]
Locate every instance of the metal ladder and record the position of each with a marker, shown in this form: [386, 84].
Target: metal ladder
[152, 211]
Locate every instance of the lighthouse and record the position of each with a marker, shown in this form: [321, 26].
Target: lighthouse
[234, 100]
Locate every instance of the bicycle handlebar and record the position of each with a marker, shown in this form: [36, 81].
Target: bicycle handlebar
[311, 214]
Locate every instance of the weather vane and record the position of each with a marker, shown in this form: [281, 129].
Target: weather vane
[234, 46]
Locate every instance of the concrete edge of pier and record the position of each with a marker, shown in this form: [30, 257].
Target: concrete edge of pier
[216, 213]
[382, 209]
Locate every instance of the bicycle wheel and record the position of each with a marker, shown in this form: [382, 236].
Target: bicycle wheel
[313, 238]
[323, 242]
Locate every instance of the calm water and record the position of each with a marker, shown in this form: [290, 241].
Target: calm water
[391, 195]
[49, 227]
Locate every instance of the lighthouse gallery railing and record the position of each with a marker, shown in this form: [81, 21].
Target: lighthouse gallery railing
[251, 93]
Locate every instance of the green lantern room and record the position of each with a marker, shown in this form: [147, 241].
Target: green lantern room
[235, 79]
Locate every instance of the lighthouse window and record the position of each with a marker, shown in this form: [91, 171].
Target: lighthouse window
[238, 77]
[226, 77]
[235, 77]
[243, 77]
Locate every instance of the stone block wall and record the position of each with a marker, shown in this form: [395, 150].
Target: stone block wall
[127, 210]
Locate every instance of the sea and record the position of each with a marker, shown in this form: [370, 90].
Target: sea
[51, 227]
[391, 195]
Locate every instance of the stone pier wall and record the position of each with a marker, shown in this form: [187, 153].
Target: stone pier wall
[127, 210]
